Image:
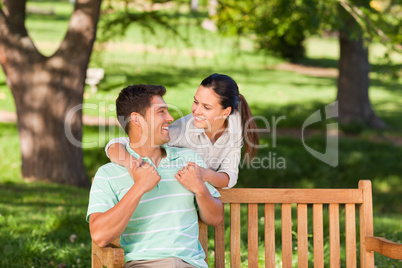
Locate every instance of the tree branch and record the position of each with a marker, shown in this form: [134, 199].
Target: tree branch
[362, 20]
[367, 24]
[82, 27]
[15, 14]
[3, 17]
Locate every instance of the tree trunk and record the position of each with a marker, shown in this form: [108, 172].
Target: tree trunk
[353, 81]
[45, 89]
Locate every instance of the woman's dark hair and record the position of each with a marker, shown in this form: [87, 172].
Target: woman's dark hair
[229, 95]
[135, 98]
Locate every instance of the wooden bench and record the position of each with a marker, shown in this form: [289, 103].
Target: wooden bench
[303, 199]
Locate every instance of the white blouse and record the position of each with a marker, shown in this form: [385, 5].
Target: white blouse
[222, 156]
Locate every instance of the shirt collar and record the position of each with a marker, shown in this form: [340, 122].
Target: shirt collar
[168, 151]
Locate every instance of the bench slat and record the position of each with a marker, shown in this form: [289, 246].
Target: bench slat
[235, 235]
[334, 242]
[366, 224]
[269, 210]
[302, 235]
[286, 235]
[220, 244]
[350, 233]
[253, 235]
[301, 196]
[203, 237]
[318, 234]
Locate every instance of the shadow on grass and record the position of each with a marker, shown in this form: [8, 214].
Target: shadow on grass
[40, 195]
[333, 63]
[43, 225]
[170, 78]
[293, 115]
[49, 17]
[321, 62]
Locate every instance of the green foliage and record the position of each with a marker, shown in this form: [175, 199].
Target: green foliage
[281, 26]
[378, 20]
[118, 16]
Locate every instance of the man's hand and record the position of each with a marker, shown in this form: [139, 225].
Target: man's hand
[145, 176]
[131, 164]
[190, 177]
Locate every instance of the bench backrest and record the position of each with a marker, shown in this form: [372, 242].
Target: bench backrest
[303, 199]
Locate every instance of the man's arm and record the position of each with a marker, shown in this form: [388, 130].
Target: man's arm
[210, 208]
[107, 226]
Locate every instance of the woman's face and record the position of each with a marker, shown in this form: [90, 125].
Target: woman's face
[207, 110]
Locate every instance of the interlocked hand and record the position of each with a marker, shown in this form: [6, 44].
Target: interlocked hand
[145, 175]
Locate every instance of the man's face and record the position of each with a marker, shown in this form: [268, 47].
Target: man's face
[158, 119]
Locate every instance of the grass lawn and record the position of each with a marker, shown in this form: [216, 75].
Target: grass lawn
[43, 224]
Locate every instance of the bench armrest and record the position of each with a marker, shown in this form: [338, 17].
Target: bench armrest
[384, 247]
[110, 256]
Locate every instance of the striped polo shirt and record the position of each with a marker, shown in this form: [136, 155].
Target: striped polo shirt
[165, 223]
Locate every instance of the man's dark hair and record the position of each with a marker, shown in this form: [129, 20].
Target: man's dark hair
[135, 98]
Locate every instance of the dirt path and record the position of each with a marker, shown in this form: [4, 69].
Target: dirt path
[307, 70]
[9, 117]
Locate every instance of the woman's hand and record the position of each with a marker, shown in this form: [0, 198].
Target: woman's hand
[190, 177]
[203, 171]
[216, 179]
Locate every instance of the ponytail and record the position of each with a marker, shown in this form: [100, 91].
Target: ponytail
[250, 134]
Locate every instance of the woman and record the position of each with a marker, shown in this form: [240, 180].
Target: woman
[220, 120]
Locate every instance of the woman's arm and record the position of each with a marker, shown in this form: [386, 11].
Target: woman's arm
[229, 165]
[216, 179]
[210, 208]
[117, 153]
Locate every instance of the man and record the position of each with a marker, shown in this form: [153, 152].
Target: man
[154, 214]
